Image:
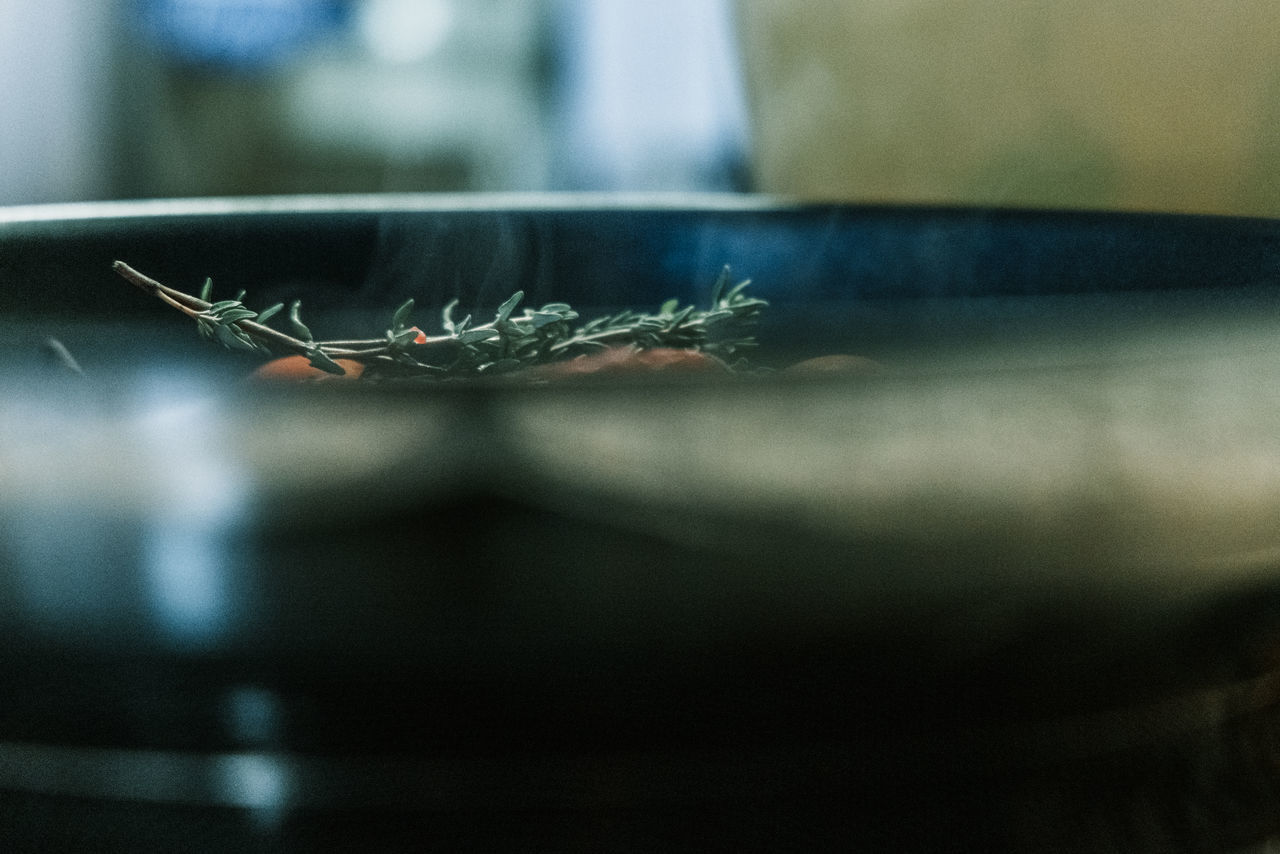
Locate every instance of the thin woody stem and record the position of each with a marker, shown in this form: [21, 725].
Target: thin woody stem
[153, 287]
[189, 312]
[193, 306]
[502, 344]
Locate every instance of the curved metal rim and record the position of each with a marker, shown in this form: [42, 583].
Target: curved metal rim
[408, 202]
[388, 203]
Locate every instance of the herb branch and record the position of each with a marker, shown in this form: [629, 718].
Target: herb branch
[508, 342]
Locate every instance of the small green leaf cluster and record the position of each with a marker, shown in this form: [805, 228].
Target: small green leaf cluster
[508, 342]
[723, 331]
[221, 321]
[315, 352]
[400, 333]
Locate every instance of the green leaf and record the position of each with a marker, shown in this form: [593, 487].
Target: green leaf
[565, 314]
[679, 318]
[401, 318]
[669, 306]
[737, 289]
[318, 359]
[236, 313]
[298, 326]
[446, 314]
[510, 328]
[234, 339]
[240, 295]
[267, 314]
[718, 289]
[206, 290]
[504, 310]
[544, 318]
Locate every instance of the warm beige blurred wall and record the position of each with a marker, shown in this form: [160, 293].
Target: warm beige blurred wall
[1138, 104]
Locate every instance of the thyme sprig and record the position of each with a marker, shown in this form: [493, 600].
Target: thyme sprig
[508, 342]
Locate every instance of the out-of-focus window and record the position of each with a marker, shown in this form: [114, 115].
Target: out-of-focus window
[145, 98]
[652, 96]
[56, 58]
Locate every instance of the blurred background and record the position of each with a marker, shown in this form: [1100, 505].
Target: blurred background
[1096, 103]
[146, 98]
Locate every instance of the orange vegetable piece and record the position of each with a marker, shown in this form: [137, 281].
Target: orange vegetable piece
[629, 360]
[298, 369]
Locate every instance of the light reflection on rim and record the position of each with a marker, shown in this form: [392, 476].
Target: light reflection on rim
[386, 203]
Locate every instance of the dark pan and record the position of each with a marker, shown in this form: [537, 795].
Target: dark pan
[1018, 587]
